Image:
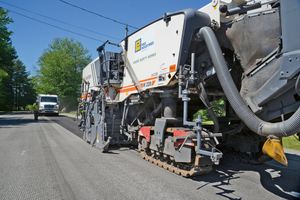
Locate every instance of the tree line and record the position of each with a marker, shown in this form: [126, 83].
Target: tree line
[59, 71]
[16, 88]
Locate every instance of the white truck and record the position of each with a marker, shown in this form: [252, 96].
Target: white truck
[48, 104]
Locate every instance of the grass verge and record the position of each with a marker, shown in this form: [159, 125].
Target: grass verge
[207, 123]
[291, 143]
[288, 142]
[70, 113]
[3, 112]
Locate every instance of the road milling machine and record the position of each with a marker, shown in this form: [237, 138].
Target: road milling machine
[246, 53]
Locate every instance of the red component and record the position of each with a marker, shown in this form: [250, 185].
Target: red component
[145, 132]
[177, 133]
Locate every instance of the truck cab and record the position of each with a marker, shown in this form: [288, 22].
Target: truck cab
[48, 104]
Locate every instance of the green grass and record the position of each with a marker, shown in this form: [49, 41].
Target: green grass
[73, 113]
[291, 143]
[3, 112]
[208, 123]
[288, 142]
[70, 113]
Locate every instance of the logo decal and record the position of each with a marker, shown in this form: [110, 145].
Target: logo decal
[144, 44]
[138, 45]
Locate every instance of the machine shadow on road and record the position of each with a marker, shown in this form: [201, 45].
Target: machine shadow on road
[114, 148]
[282, 182]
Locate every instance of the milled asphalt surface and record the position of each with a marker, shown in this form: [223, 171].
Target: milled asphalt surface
[42, 160]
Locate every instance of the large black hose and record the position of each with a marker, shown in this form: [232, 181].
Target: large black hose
[281, 129]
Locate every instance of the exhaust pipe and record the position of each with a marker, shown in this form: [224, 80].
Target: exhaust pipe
[280, 129]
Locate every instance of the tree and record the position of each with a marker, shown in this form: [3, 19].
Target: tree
[60, 72]
[3, 76]
[219, 107]
[23, 90]
[7, 56]
[7, 51]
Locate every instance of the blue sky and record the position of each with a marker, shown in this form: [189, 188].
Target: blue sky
[31, 37]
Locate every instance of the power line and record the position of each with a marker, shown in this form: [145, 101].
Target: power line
[98, 14]
[61, 21]
[55, 26]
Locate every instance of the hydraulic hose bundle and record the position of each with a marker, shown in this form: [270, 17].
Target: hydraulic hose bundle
[281, 129]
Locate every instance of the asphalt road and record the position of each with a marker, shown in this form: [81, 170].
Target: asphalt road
[43, 160]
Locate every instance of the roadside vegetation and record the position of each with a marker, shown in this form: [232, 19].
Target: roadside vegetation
[4, 112]
[60, 71]
[16, 87]
[291, 142]
[71, 113]
[218, 107]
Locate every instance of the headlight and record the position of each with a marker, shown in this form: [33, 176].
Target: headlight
[57, 106]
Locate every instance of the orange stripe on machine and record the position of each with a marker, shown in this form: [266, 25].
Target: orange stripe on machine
[130, 88]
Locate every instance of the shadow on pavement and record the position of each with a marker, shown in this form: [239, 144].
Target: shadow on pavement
[278, 179]
[281, 181]
[12, 122]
